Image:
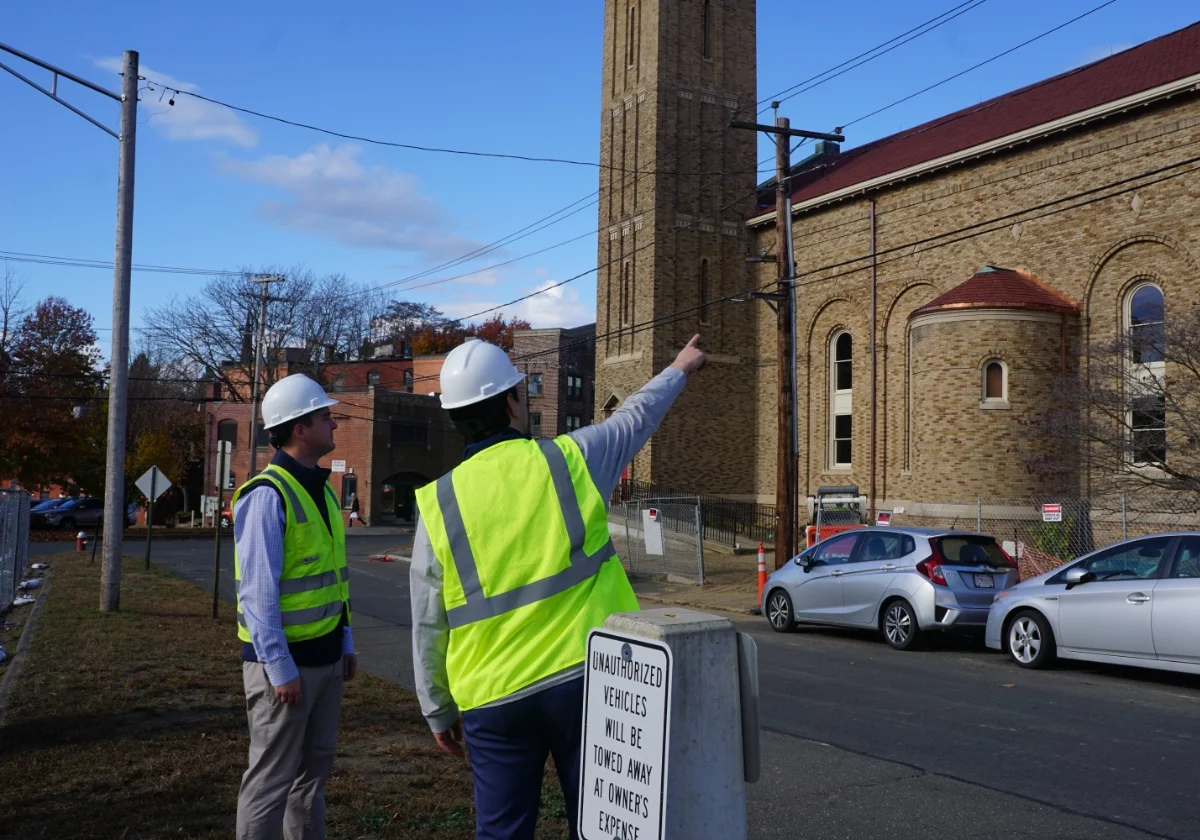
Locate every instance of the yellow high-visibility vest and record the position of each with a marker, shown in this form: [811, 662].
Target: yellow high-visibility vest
[314, 587]
[522, 535]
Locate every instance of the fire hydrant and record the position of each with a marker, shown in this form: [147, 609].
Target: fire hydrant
[81, 541]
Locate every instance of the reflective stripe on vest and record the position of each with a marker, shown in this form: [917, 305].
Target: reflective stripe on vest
[313, 586]
[583, 565]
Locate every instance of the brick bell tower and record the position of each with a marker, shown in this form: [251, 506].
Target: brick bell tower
[677, 186]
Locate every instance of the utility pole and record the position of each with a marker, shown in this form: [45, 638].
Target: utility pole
[114, 471]
[783, 300]
[264, 281]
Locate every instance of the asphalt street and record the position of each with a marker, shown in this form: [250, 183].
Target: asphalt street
[861, 741]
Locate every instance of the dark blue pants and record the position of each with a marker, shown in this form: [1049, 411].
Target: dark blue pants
[508, 746]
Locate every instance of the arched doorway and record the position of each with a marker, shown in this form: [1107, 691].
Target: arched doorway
[399, 500]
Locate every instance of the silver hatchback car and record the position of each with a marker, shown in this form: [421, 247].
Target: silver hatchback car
[1133, 603]
[900, 581]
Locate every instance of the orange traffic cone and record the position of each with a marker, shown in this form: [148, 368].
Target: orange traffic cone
[762, 572]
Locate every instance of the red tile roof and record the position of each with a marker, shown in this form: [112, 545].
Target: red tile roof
[1166, 59]
[1001, 288]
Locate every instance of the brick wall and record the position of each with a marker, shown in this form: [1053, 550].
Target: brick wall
[553, 355]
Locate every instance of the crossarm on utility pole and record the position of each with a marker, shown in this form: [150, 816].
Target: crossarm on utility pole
[778, 131]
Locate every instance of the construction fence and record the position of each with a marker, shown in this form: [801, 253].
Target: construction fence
[662, 537]
[1044, 533]
[724, 521]
[14, 543]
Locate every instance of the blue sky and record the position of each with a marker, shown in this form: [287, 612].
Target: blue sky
[219, 190]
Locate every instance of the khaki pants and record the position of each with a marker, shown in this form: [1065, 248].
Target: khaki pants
[291, 753]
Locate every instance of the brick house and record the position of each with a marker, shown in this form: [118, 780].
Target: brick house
[559, 365]
[948, 274]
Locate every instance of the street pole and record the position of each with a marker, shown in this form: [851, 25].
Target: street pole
[114, 471]
[265, 282]
[222, 456]
[150, 513]
[784, 301]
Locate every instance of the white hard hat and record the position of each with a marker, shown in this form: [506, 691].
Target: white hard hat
[292, 397]
[475, 371]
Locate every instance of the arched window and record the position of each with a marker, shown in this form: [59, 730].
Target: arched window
[1145, 333]
[841, 425]
[706, 30]
[631, 42]
[995, 382]
[703, 291]
[227, 430]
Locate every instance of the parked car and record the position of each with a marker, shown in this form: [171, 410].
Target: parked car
[903, 582]
[39, 511]
[1133, 603]
[77, 513]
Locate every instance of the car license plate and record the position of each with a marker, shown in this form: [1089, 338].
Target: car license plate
[984, 582]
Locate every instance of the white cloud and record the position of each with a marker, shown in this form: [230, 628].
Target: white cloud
[332, 195]
[1101, 52]
[189, 118]
[555, 306]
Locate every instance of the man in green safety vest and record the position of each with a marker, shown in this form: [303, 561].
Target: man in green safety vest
[512, 566]
[293, 614]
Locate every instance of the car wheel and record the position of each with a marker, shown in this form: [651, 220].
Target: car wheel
[899, 625]
[68, 523]
[1029, 640]
[779, 611]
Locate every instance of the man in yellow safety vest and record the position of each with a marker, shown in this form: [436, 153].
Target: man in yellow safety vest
[293, 613]
[512, 566]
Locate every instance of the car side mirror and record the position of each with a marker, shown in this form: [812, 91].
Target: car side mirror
[1077, 576]
[805, 562]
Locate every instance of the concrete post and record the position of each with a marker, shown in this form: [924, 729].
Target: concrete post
[706, 788]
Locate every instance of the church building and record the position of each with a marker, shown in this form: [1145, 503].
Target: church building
[950, 277]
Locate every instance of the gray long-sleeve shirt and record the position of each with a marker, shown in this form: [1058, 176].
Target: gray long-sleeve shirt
[607, 449]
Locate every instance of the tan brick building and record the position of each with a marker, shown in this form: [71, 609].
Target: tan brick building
[1081, 188]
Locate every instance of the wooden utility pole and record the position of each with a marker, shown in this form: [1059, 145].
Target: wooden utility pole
[783, 300]
[264, 282]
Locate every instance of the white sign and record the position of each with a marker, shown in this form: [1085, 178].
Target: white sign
[153, 482]
[338, 466]
[653, 530]
[626, 719]
[224, 448]
[1052, 513]
[208, 505]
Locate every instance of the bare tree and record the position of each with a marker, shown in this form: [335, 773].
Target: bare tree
[12, 312]
[1131, 420]
[311, 321]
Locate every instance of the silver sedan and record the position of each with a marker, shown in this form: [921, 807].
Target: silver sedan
[902, 581]
[1133, 603]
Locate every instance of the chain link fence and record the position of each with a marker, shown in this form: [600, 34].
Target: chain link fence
[664, 538]
[1044, 533]
[725, 521]
[14, 543]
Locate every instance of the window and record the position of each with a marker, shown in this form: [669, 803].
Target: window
[535, 385]
[704, 290]
[574, 421]
[1138, 561]
[535, 424]
[349, 490]
[574, 387]
[973, 551]
[264, 438]
[1146, 335]
[706, 30]
[372, 378]
[408, 433]
[631, 38]
[836, 550]
[842, 401]
[993, 381]
[338, 384]
[627, 296]
[408, 380]
[227, 430]
[885, 547]
[1187, 563]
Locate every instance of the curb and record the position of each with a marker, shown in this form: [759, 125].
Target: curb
[17, 659]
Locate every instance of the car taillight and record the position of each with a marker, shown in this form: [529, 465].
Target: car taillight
[1016, 566]
[931, 566]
